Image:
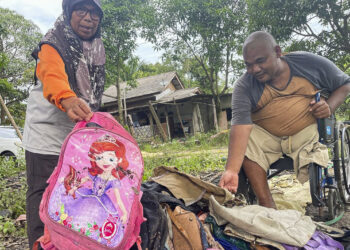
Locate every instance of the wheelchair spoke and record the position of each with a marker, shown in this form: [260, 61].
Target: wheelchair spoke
[342, 170]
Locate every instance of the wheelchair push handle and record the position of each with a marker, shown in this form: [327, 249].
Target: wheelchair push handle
[318, 97]
[325, 126]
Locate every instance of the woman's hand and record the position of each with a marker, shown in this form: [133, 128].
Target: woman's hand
[77, 109]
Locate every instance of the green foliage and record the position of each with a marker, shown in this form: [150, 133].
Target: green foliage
[204, 34]
[18, 37]
[192, 164]
[198, 142]
[201, 152]
[321, 26]
[7, 226]
[149, 69]
[119, 25]
[12, 178]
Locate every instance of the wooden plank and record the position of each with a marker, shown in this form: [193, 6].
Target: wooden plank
[131, 125]
[167, 124]
[150, 118]
[125, 110]
[215, 117]
[159, 126]
[179, 117]
[195, 120]
[200, 122]
[3, 105]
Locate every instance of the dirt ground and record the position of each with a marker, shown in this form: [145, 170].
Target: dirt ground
[287, 191]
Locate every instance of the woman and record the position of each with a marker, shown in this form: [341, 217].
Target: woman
[70, 80]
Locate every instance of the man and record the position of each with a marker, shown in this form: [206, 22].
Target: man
[274, 112]
[70, 79]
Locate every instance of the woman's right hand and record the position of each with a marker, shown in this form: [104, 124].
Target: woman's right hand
[77, 109]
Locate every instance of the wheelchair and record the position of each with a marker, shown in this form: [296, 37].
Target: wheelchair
[329, 187]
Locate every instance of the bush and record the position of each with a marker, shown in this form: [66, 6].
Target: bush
[12, 196]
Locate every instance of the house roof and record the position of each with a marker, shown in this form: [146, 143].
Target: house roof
[180, 94]
[150, 85]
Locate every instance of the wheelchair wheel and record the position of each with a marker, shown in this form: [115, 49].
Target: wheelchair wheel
[342, 170]
[334, 203]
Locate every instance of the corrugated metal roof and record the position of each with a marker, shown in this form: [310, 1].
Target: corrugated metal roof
[180, 94]
[145, 86]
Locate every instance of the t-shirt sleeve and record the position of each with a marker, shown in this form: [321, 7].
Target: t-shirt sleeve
[241, 103]
[332, 76]
[51, 72]
[322, 72]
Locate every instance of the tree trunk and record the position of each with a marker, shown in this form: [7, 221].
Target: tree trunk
[2, 116]
[119, 99]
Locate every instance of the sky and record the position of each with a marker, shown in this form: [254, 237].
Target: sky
[44, 13]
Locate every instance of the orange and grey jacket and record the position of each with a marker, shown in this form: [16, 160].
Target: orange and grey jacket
[66, 66]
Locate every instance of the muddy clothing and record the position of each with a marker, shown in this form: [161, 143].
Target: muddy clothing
[283, 226]
[285, 112]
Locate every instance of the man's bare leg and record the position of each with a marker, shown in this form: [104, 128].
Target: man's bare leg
[258, 180]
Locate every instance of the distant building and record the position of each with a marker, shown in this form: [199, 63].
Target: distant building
[171, 102]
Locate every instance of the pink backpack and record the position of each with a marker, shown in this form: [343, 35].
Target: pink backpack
[93, 197]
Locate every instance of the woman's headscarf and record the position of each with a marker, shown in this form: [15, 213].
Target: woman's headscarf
[68, 6]
[84, 60]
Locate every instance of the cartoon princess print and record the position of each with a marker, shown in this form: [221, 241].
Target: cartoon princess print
[86, 195]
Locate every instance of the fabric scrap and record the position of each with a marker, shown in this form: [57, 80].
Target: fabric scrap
[284, 226]
[196, 189]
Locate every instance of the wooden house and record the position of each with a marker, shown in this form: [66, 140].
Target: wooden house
[161, 101]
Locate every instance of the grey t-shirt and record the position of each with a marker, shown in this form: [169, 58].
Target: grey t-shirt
[318, 70]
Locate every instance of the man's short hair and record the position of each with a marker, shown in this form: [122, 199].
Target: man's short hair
[261, 37]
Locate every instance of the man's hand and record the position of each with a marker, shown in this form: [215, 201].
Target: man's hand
[77, 109]
[320, 109]
[229, 180]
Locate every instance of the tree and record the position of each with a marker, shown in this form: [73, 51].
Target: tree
[206, 34]
[325, 23]
[18, 37]
[119, 29]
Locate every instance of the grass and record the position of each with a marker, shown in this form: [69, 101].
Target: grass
[203, 152]
[12, 196]
[196, 154]
[194, 143]
[192, 164]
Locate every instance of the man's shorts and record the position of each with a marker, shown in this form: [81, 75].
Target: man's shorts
[303, 148]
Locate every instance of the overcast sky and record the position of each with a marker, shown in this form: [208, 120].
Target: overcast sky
[44, 13]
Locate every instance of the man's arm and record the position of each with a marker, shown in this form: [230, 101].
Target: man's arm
[239, 136]
[324, 109]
